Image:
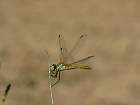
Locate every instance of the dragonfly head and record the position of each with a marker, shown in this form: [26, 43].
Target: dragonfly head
[53, 70]
[53, 67]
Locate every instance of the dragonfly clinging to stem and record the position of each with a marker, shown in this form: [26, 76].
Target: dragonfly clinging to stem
[56, 69]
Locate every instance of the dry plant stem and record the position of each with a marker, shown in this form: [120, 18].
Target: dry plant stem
[49, 80]
[50, 87]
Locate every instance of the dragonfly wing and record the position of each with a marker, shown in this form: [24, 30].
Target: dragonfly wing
[63, 50]
[79, 43]
[49, 69]
[48, 57]
[65, 55]
[81, 60]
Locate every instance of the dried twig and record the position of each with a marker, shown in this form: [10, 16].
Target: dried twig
[49, 80]
[50, 87]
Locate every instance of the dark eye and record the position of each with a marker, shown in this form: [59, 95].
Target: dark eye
[53, 67]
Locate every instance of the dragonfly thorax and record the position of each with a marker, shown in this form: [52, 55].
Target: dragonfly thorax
[54, 68]
[61, 67]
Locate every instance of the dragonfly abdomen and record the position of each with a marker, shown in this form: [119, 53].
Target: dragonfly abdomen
[85, 67]
[76, 67]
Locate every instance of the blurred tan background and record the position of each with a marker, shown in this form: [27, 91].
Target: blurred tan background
[28, 27]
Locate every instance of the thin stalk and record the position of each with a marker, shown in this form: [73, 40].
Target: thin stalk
[49, 79]
[50, 87]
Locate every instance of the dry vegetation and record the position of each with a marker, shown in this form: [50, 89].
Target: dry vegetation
[27, 27]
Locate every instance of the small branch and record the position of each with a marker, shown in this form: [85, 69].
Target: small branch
[50, 87]
[49, 80]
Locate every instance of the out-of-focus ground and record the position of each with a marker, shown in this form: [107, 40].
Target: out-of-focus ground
[28, 27]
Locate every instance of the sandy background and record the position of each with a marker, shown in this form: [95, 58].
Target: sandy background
[28, 27]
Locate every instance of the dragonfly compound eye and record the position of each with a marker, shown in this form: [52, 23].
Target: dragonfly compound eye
[53, 67]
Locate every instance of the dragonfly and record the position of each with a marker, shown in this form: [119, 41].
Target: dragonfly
[63, 65]
[3, 98]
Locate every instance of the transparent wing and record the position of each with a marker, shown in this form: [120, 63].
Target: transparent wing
[82, 61]
[63, 49]
[48, 57]
[78, 44]
[49, 65]
[65, 55]
[51, 79]
[76, 48]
